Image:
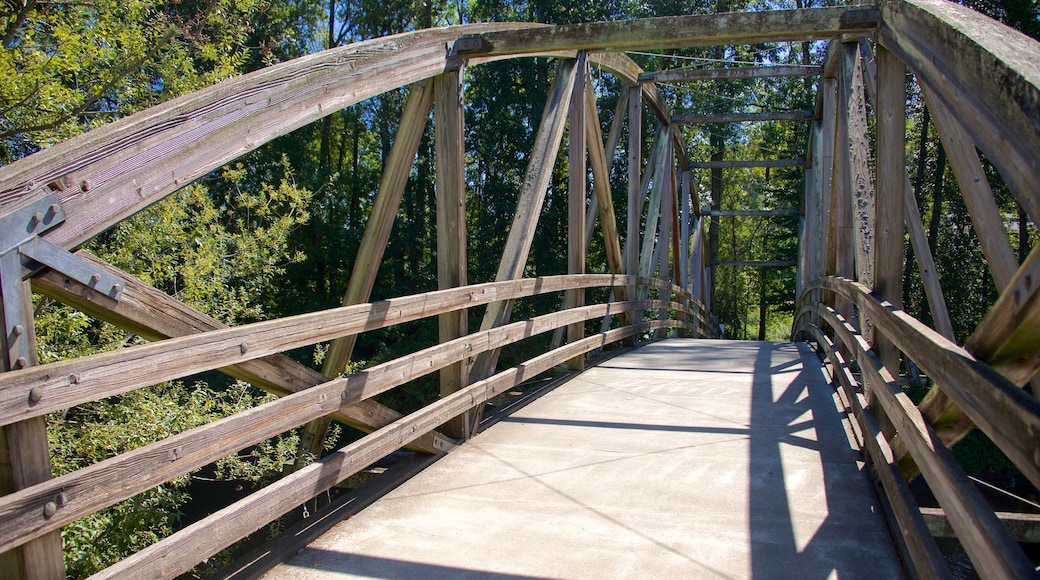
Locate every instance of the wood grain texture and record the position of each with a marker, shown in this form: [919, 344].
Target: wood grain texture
[701, 119]
[116, 170]
[73, 382]
[925, 556]
[988, 543]
[93, 488]
[684, 75]
[986, 73]
[679, 31]
[1009, 416]
[154, 315]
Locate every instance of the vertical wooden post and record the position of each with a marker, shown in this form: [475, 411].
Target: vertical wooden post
[667, 173]
[891, 178]
[451, 230]
[576, 204]
[684, 233]
[24, 452]
[635, 197]
[841, 194]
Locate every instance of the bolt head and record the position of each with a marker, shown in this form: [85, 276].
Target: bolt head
[50, 509]
[35, 394]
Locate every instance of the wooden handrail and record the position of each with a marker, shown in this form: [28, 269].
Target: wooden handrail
[90, 489]
[986, 540]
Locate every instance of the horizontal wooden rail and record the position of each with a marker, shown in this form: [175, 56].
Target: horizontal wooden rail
[90, 489]
[64, 384]
[685, 75]
[700, 119]
[747, 164]
[986, 540]
[925, 555]
[1007, 414]
[179, 552]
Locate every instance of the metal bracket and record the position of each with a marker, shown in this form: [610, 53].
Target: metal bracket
[21, 250]
[465, 45]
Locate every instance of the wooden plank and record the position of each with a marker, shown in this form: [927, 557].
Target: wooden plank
[635, 191]
[25, 453]
[179, 552]
[1024, 527]
[756, 263]
[577, 184]
[119, 169]
[154, 315]
[926, 558]
[1009, 416]
[90, 489]
[918, 239]
[986, 74]
[594, 136]
[685, 75]
[685, 217]
[890, 119]
[1008, 337]
[451, 230]
[975, 188]
[396, 169]
[747, 164]
[703, 119]
[529, 204]
[68, 383]
[603, 200]
[685, 31]
[861, 186]
[667, 174]
[754, 212]
[987, 541]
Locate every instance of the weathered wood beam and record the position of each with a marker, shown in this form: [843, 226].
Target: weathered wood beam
[181, 551]
[747, 164]
[114, 171]
[976, 191]
[985, 72]
[1025, 527]
[529, 204]
[635, 190]
[89, 489]
[915, 228]
[987, 541]
[451, 231]
[154, 315]
[685, 75]
[24, 450]
[685, 31]
[576, 196]
[890, 118]
[594, 136]
[754, 212]
[861, 185]
[756, 263]
[699, 119]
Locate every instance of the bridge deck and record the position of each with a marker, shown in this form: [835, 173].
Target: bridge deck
[681, 459]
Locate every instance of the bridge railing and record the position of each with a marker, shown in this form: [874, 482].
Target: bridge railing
[42, 508]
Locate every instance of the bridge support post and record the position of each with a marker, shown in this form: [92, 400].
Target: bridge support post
[578, 179]
[451, 233]
[24, 453]
[635, 198]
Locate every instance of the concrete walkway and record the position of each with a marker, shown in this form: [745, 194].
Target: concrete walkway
[681, 459]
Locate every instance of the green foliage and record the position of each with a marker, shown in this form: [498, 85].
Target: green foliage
[96, 431]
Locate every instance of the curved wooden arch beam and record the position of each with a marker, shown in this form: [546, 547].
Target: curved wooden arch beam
[986, 73]
[110, 173]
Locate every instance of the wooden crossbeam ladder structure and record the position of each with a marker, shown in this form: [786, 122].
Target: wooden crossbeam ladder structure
[849, 266]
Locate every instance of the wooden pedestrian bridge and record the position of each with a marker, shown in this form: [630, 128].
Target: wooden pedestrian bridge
[682, 456]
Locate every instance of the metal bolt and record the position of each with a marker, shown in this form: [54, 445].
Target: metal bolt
[243, 348]
[53, 209]
[18, 330]
[74, 378]
[60, 499]
[50, 509]
[95, 278]
[21, 363]
[84, 185]
[35, 394]
[116, 289]
[37, 218]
